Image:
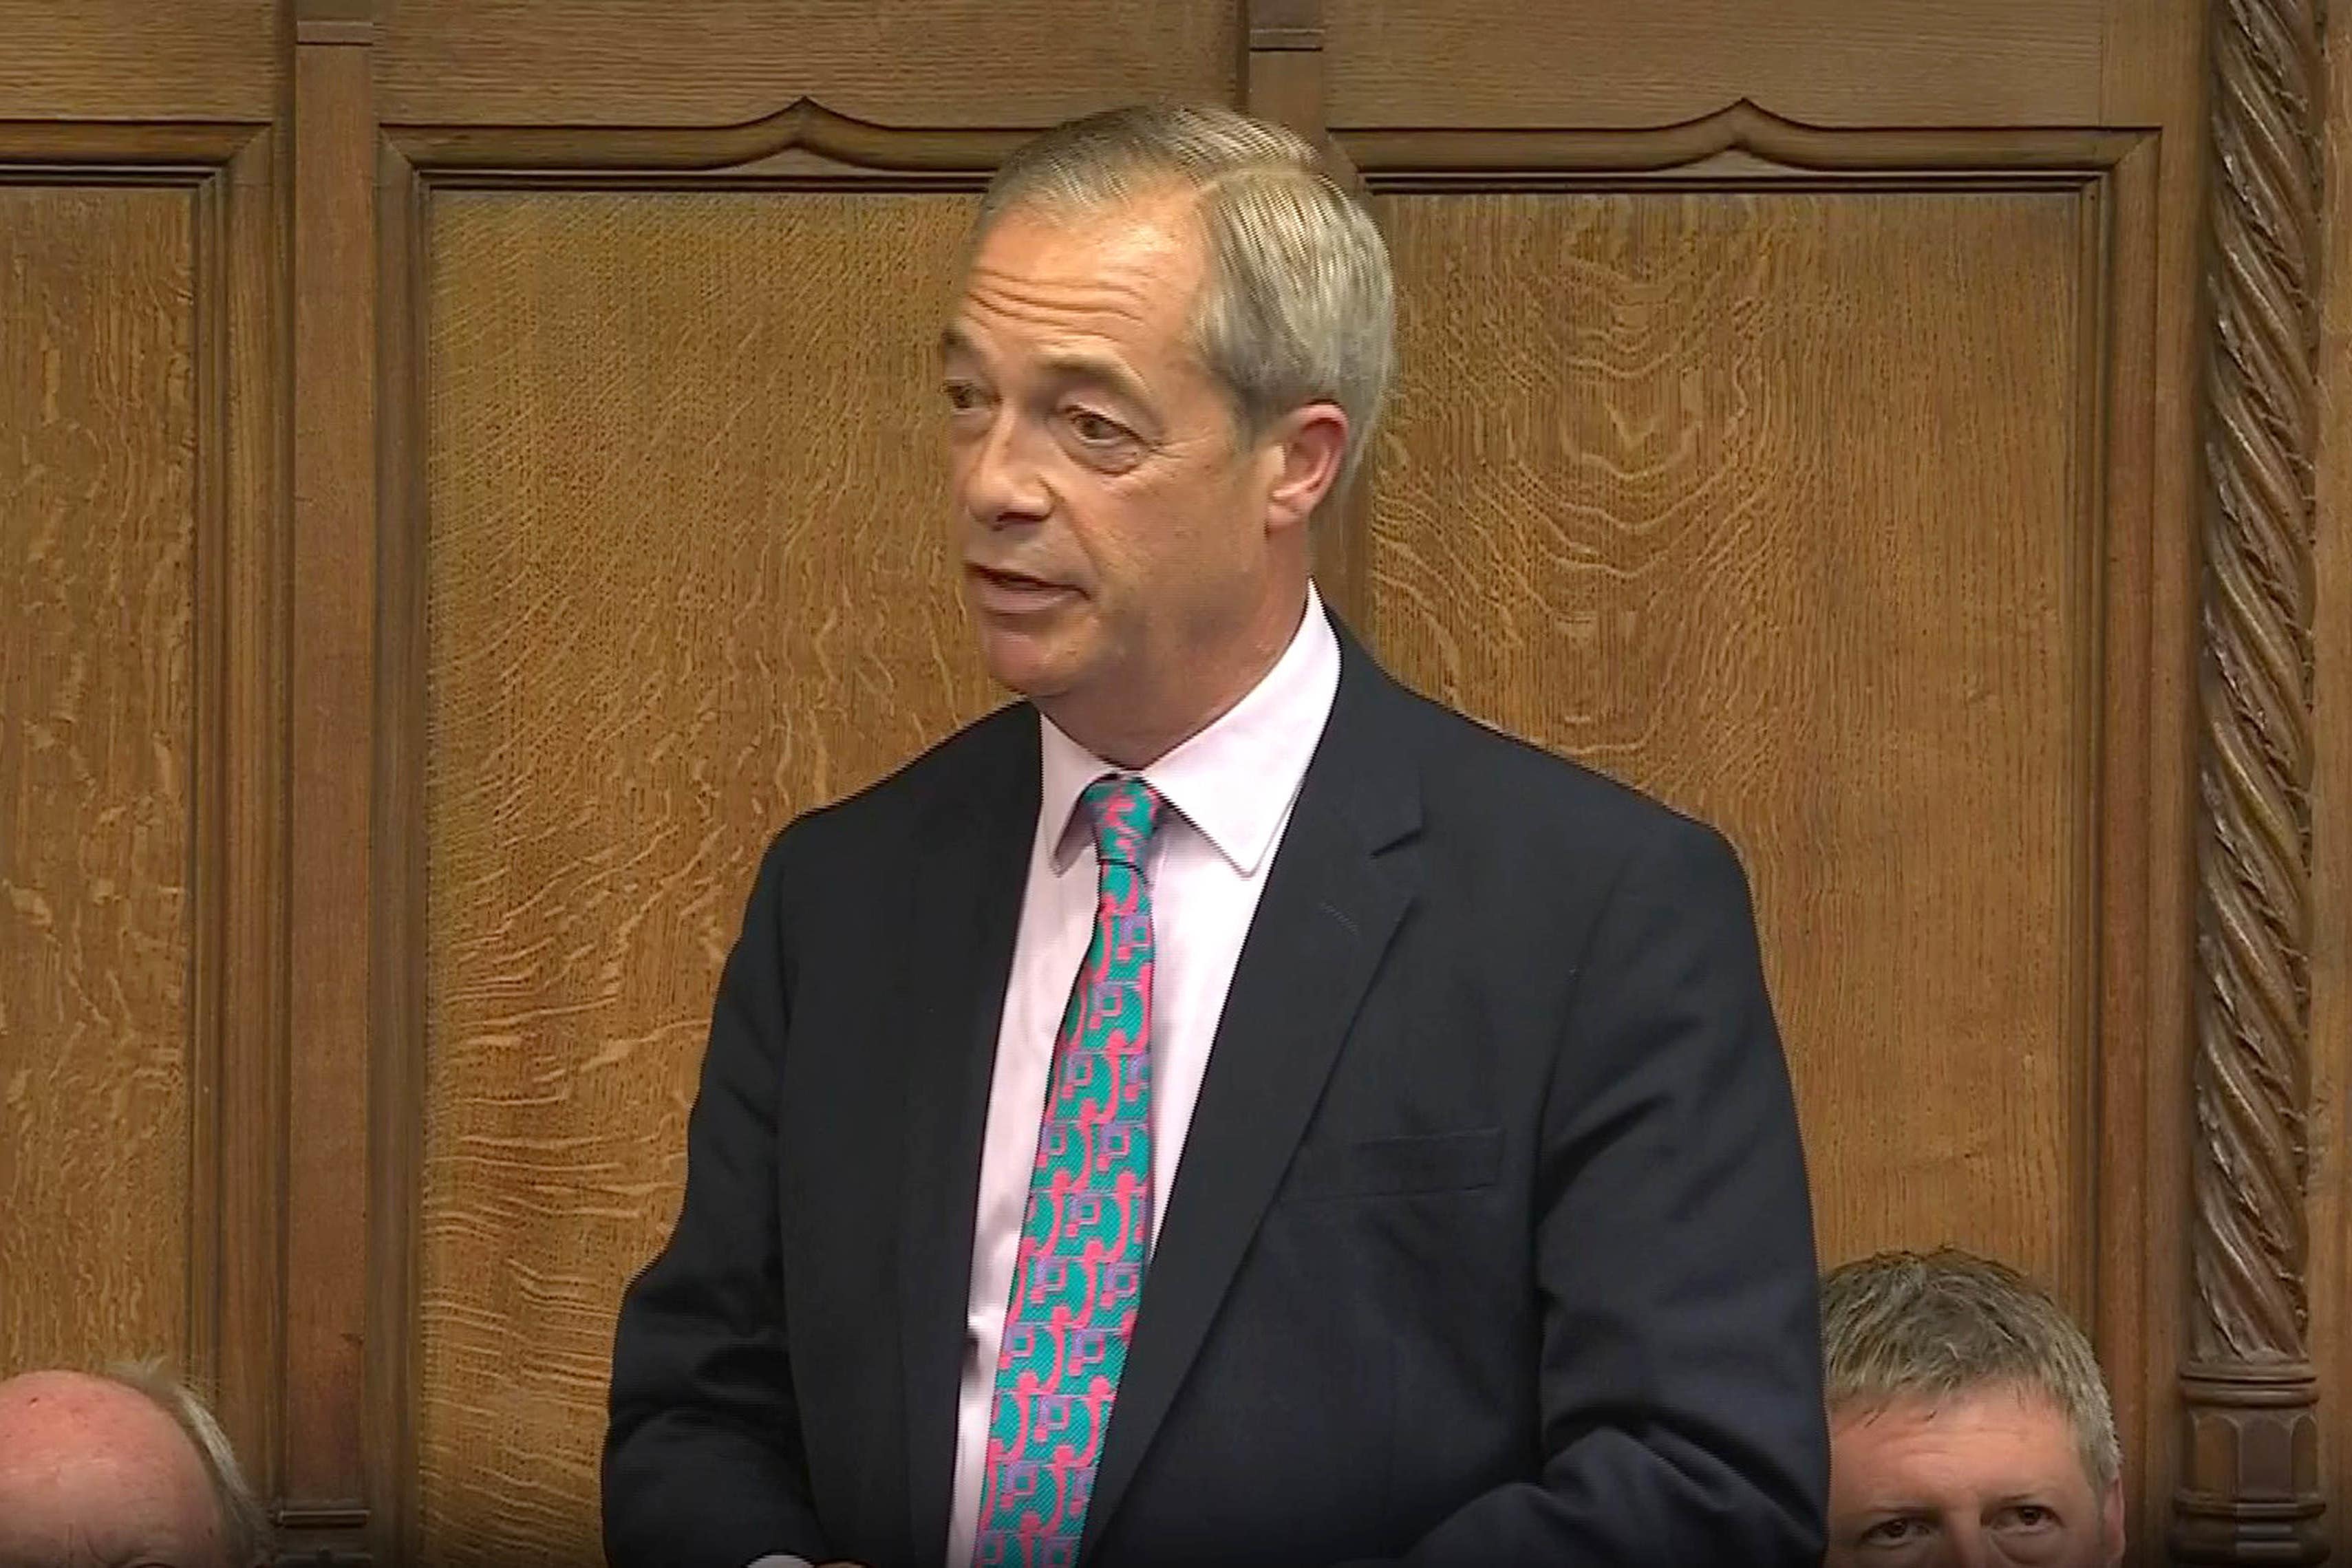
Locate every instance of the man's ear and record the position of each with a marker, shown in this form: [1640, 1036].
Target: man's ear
[2111, 1522]
[1307, 447]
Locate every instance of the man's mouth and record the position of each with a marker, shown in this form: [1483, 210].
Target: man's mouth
[1013, 593]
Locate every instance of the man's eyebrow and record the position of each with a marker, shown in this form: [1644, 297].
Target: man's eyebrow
[1101, 369]
[1067, 364]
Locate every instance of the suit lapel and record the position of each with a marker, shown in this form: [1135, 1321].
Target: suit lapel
[1330, 904]
[964, 910]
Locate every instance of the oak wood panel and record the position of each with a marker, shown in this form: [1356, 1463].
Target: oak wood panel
[1769, 503]
[136, 60]
[1599, 63]
[98, 496]
[905, 62]
[687, 574]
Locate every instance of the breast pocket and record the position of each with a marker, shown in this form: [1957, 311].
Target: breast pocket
[1397, 1166]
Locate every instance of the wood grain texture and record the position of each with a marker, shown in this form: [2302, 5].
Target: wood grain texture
[135, 60]
[97, 482]
[687, 574]
[904, 62]
[1829, 62]
[1766, 503]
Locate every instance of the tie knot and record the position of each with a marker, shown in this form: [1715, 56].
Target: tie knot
[1125, 813]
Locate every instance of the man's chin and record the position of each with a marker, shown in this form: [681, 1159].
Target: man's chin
[1021, 667]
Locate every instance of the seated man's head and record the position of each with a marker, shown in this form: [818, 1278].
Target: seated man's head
[1968, 1424]
[124, 1469]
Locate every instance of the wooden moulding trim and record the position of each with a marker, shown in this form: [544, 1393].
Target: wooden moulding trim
[1740, 127]
[250, 901]
[155, 151]
[210, 906]
[803, 125]
[396, 830]
[1283, 25]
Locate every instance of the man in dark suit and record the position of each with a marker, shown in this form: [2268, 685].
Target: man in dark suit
[1223, 1109]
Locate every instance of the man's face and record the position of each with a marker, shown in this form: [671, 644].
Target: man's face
[1118, 562]
[1989, 1479]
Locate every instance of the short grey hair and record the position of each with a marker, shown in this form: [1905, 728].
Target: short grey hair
[1300, 304]
[244, 1529]
[1931, 1325]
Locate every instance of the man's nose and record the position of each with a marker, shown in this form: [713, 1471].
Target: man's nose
[1967, 1546]
[1003, 484]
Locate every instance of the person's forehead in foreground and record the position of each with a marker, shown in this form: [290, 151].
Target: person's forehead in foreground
[95, 1472]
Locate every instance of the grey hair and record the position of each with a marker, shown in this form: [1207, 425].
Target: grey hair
[245, 1537]
[1930, 1325]
[1300, 304]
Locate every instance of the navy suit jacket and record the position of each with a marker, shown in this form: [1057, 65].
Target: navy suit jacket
[1490, 1246]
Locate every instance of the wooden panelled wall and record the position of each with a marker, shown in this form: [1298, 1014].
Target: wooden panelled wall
[466, 476]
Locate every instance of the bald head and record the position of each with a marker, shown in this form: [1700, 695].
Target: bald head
[95, 1474]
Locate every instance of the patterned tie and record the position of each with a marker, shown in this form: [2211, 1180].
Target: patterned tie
[1079, 1271]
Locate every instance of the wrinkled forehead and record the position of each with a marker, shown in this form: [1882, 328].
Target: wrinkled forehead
[1995, 1440]
[1127, 276]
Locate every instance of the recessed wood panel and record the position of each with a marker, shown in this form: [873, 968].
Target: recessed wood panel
[688, 574]
[1770, 503]
[98, 437]
[902, 62]
[1829, 62]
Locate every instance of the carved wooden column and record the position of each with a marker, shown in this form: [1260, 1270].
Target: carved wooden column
[2250, 1481]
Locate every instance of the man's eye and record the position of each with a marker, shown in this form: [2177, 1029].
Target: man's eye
[964, 397]
[1894, 1532]
[2031, 1516]
[1096, 430]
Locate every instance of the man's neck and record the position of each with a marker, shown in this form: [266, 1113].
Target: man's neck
[1134, 735]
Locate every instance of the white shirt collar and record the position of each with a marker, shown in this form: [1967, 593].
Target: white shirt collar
[1234, 781]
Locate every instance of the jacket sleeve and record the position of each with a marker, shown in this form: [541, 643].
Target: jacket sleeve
[1680, 1361]
[704, 1462]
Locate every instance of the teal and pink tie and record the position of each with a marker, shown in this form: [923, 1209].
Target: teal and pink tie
[1084, 1236]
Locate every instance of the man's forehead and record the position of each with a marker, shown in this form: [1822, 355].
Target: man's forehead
[2000, 1439]
[1114, 267]
[1074, 356]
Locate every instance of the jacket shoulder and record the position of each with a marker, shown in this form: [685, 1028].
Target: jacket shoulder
[977, 762]
[1479, 779]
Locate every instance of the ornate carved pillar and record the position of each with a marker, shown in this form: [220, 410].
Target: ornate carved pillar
[2250, 1479]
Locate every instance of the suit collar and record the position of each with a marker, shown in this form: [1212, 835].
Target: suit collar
[1367, 753]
